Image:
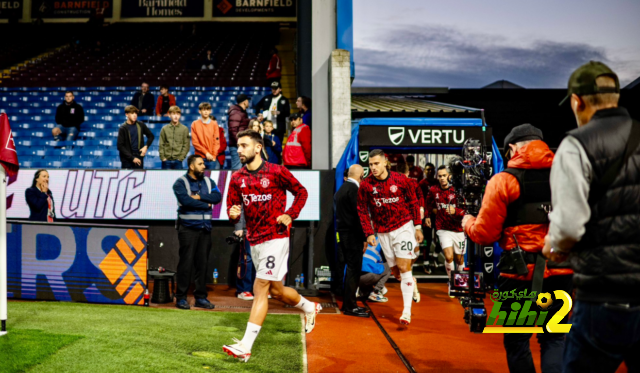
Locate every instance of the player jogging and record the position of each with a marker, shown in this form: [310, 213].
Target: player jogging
[390, 201]
[442, 200]
[261, 187]
[405, 170]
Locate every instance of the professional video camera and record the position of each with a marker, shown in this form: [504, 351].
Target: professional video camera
[469, 175]
[233, 239]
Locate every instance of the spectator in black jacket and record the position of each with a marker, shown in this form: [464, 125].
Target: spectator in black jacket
[69, 117]
[130, 140]
[275, 107]
[40, 199]
[144, 100]
[351, 239]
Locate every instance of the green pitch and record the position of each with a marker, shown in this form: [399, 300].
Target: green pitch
[74, 337]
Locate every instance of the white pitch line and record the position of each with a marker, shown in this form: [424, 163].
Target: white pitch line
[305, 366]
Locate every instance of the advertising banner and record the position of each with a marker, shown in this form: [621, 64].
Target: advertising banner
[77, 263]
[417, 136]
[127, 194]
[70, 9]
[10, 9]
[254, 8]
[162, 8]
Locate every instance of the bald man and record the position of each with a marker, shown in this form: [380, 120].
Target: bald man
[351, 239]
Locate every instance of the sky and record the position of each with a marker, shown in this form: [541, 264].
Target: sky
[473, 43]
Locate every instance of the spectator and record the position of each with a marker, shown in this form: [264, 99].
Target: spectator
[374, 275]
[209, 61]
[595, 183]
[40, 199]
[165, 101]
[274, 71]
[303, 103]
[246, 271]
[196, 194]
[69, 117]
[351, 238]
[415, 172]
[272, 144]
[144, 100]
[174, 141]
[255, 125]
[206, 135]
[275, 107]
[238, 122]
[297, 152]
[130, 140]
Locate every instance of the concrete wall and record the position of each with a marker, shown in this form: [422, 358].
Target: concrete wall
[324, 42]
[340, 96]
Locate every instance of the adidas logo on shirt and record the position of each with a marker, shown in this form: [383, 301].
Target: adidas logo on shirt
[270, 273]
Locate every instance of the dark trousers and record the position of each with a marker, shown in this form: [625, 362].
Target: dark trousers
[351, 248]
[517, 346]
[172, 165]
[129, 165]
[246, 271]
[372, 282]
[602, 336]
[195, 246]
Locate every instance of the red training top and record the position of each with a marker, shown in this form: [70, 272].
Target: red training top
[442, 199]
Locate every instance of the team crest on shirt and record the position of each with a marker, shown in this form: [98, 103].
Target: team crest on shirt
[374, 191]
[243, 184]
[393, 189]
[451, 196]
[437, 195]
[264, 182]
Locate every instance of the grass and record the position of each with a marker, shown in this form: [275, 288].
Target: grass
[74, 337]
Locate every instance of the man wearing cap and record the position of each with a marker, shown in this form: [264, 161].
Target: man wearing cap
[275, 107]
[511, 214]
[238, 122]
[595, 223]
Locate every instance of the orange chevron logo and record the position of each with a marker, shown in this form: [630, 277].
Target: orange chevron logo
[126, 266]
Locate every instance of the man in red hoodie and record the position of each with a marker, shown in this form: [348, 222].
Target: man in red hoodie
[274, 71]
[297, 152]
[514, 212]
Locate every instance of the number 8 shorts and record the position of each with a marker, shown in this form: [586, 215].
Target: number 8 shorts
[271, 258]
[399, 243]
[457, 240]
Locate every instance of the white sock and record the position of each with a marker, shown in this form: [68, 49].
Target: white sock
[460, 267]
[250, 335]
[406, 287]
[449, 267]
[305, 305]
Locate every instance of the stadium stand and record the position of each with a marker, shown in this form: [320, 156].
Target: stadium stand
[31, 112]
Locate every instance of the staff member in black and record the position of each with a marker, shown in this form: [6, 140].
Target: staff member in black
[351, 238]
[195, 194]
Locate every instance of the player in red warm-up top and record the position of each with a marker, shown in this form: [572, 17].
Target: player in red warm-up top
[389, 200]
[262, 188]
[442, 201]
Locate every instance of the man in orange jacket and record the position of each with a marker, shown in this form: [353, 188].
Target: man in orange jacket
[512, 214]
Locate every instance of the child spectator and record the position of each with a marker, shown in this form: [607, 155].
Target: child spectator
[272, 143]
[206, 135]
[174, 141]
[130, 140]
[297, 152]
[165, 101]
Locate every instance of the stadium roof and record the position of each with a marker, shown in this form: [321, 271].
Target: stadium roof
[502, 84]
[399, 104]
[634, 85]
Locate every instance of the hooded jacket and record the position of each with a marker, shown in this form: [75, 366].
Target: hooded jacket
[238, 122]
[502, 190]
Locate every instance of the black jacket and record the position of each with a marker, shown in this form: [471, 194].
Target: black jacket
[124, 140]
[68, 119]
[606, 261]
[283, 107]
[345, 205]
[38, 206]
[148, 103]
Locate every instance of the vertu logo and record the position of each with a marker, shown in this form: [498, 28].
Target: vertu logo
[396, 135]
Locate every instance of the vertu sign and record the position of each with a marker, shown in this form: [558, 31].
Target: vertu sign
[411, 136]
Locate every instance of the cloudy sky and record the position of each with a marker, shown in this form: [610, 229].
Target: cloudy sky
[472, 43]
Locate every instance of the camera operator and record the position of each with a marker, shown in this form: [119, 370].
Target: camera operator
[595, 223]
[246, 275]
[511, 208]
[442, 201]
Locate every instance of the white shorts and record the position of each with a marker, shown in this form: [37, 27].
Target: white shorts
[457, 240]
[400, 243]
[271, 258]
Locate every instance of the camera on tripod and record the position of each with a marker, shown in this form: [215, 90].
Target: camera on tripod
[469, 174]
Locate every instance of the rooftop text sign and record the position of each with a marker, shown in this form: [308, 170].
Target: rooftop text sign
[162, 8]
[416, 136]
[254, 8]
